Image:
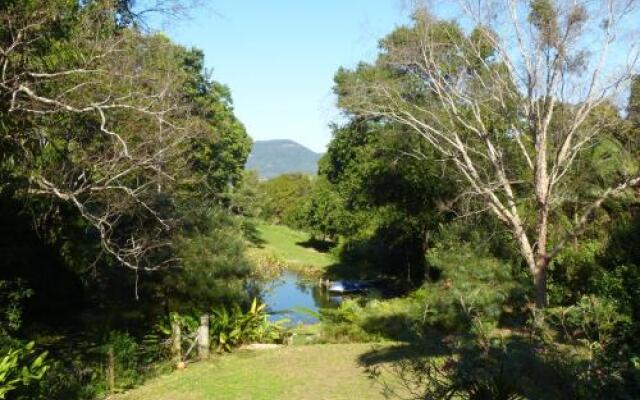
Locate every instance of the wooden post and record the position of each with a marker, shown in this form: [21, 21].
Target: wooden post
[111, 371]
[203, 337]
[176, 340]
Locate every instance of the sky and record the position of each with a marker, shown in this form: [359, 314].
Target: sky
[279, 56]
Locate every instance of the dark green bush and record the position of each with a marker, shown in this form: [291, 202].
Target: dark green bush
[81, 368]
[20, 367]
[233, 327]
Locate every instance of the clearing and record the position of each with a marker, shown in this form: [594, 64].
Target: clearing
[293, 247]
[327, 372]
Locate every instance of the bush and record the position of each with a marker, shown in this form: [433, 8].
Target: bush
[574, 272]
[591, 320]
[373, 320]
[86, 369]
[489, 366]
[233, 327]
[472, 287]
[20, 367]
[602, 364]
[13, 294]
[347, 324]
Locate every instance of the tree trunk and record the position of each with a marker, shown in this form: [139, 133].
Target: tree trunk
[203, 337]
[540, 282]
[176, 341]
[426, 240]
[111, 371]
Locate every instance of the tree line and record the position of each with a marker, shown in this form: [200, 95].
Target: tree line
[121, 167]
[528, 115]
[492, 161]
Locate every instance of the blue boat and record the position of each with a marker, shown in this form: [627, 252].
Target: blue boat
[347, 287]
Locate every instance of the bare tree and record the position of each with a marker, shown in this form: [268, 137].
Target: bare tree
[511, 103]
[97, 121]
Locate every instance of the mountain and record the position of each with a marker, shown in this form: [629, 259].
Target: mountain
[276, 157]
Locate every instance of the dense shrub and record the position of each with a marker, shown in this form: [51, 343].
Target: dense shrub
[574, 272]
[233, 327]
[85, 368]
[487, 365]
[351, 323]
[20, 367]
[599, 362]
[473, 286]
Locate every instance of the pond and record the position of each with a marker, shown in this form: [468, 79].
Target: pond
[290, 293]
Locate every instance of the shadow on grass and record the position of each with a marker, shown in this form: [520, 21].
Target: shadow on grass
[384, 355]
[252, 235]
[511, 368]
[322, 246]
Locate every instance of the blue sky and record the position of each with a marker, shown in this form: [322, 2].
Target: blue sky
[279, 57]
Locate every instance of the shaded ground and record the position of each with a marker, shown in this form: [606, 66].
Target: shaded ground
[328, 372]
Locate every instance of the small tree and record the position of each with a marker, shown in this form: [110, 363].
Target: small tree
[510, 103]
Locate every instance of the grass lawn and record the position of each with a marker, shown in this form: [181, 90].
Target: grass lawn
[328, 372]
[289, 245]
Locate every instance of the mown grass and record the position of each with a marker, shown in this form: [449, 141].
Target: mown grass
[292, 248]
[297, 372]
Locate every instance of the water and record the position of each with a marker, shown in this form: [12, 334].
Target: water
[286, 295]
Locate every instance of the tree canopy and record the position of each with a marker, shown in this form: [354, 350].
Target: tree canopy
[505, 104]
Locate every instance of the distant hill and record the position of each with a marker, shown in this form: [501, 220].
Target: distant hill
[276, 157]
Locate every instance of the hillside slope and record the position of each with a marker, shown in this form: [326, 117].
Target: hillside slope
[276, 157]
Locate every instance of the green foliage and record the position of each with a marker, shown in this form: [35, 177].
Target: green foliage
[384, 193]
[12, 297]
[592, 321]
[214, 266]
[620, 259]
[488, 365]
[324, 212]
[20, 367]
[20, 364]
[157, 169]
[399, 106]
[285, 197]
[232, 327]
[544, 17]
[600, 363]
[128, 357]
[217, 160]
[481, 377]
[634, 102]
[86, 371]
[474, 288]
[473, 283]
[166, 189]
[369, 321]
[574, 272]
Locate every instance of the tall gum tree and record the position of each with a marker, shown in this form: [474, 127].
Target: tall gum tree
[508, 97]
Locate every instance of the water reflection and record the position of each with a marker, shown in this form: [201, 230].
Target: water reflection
[289, 293]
